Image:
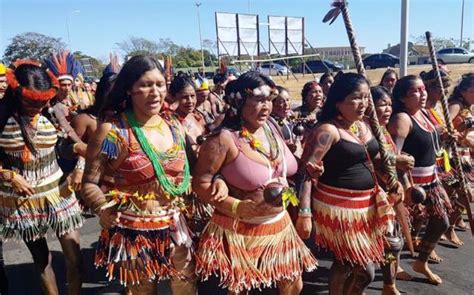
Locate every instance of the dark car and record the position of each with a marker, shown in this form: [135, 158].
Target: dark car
[318, 66]
[381, 60]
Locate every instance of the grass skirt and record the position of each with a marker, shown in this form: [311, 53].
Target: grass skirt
[352, 223]
[252, 255]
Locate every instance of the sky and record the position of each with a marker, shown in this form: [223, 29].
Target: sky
[96, 26]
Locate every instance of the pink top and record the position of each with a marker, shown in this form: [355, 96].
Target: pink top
[246, 174]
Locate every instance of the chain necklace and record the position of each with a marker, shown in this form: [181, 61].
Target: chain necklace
[168, 186]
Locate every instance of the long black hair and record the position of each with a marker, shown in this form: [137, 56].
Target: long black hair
[389, 71]
[31, 77]
[240, 87]
[379, 92]
[103, 89]
[400, 90]
[130, 73]
[180, 82]
[344, 84]
[467, 80]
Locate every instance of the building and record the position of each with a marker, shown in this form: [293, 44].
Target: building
[336, 53]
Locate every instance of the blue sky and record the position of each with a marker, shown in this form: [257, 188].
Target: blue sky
[100, 24]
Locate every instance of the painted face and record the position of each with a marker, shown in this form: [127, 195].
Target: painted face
[3, 85]
[383, 108]
[389, 81]
[468, 95]
[416, 96]
[65, 87]
[315, 97]
[148, 94]
[353, 107]
[281, 105]
[256, 110]
[186, 99]
[326, 84]
[32, 107]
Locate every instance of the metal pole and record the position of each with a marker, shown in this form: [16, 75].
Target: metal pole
[200, 38]
[462, 23]
[68, 35]
[404, 39]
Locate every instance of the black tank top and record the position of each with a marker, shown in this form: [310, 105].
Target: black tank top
[346, 165]
[419, 143]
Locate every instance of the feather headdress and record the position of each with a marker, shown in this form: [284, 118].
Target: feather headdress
[64, 65]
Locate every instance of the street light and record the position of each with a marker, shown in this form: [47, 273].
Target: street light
[200, 37]
[67, 28]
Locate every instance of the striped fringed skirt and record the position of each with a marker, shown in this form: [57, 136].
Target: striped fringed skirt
[437, 202]
[53, 206]
[139, 248]
[352, 223]
[467, 164]
[252, 254]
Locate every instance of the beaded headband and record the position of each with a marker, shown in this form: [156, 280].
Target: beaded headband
[35, 95]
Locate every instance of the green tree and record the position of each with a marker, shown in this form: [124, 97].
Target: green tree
[31, 45]
[438, 42]
[139, 46]
[97, 65]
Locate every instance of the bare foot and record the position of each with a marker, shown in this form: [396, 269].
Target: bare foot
[462, 225]
[390, 290]
[443, 237]
[422, 267]
[434, 257]
[402, 275]
[453, 237]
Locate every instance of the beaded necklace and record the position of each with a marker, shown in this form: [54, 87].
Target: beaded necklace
[256, 144]
[155, 157]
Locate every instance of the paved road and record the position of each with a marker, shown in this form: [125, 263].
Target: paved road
[456, 270]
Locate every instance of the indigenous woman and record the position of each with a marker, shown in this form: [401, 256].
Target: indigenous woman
[282, 114]
[326, 80]
[445, 172]
[350, 210]
[389, 78]
[312, 100]
[250, 241]
[203, 105]
[33, 197]
[145, 238]
[391, 269]
[183, 92]
[85, 124]
[460, 110]
[414, 134]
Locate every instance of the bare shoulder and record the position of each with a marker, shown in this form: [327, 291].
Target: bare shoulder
[328, 130]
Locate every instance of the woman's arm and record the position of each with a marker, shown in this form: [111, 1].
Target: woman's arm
[399, 127]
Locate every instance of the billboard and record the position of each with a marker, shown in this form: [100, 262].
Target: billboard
[237, 34]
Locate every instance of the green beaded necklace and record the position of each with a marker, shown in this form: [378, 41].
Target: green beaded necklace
[168, 186]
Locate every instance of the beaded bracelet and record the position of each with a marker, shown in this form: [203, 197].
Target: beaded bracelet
[304, 212]
[235, 205]
[7, 175]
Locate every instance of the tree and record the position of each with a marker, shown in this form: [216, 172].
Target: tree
[97, 65]
[438, 42]
[139, 46]
[31, 45]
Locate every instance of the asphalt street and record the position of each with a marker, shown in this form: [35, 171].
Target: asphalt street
[457, 270]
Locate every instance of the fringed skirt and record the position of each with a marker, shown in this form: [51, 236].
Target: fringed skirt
[53, 206]
[252, 254]
[352, 223]
[444, 170]
[437, 202]
[139, 248]
[467, 165]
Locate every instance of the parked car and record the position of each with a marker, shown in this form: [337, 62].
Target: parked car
[274, 69]
[381, 60]
[318, 66]
[454, 55]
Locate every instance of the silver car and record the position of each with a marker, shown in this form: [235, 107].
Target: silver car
[274, 69]
[454, 55]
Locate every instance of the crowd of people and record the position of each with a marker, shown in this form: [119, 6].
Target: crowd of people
[222, 185]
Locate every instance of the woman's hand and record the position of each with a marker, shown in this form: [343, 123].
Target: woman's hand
[304, 225]
[21, 186]
[219, 190]
[404, 162]
[109, 217]
[450, 137]
[314, 170]
[76, 179]
[248, 209]
[80, 149]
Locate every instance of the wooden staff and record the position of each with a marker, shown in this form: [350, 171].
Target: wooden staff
[387, 166]
[450, 127]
